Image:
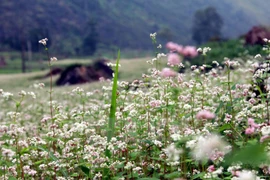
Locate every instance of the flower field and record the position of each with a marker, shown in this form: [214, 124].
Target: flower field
[166, 125]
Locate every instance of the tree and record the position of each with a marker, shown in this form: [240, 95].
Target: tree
[90, 41]
[207, 24]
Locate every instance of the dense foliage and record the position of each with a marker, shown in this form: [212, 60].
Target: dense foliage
[123, 24]
[198, 125]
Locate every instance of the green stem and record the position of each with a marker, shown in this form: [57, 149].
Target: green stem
[50, 92]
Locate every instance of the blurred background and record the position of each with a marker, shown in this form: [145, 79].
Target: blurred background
[89, 29]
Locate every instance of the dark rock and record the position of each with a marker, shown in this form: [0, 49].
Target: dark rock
[79, 74]
[256, 35]
[53, 72]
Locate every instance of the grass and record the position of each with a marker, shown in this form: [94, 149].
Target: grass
[130, 70]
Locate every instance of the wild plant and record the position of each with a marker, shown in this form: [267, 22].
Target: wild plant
[196, 125]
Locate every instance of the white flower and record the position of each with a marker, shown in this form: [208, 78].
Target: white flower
[7, 95]
[257, 56]
[7, 152]
[199, 50]
[22, 93]
[246, 175]
[78, 90]
[172, 153]
[158, 143]
[159, 55]
[265, 130]
[210, 147]
[153, 35]
[32, 94]
[43, 41]
[98, 176]
[53, 59]
[191, 144]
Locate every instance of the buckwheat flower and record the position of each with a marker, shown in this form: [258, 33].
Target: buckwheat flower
[160, 55]
[252, 123]
[204, 114]
[53, 59]
[78, 90]
[167, 72]
[22, 93]
[98, 176]
[1, 91]
[13, 170]
[172, 153]
[174, 47]
[265, 39]
[7, 95]
[204, 50]
[263, 138]
[245, 175]
[155, 103]
[199, 50]
[129, 165]
[252, 101]
[250, 131]
[211, 168]
[191, 144]
[173, 59]
[187, 107]
[43, 41]
[189, 51]
[7, 152]
[265, 130]
[32, 94]
[215, 62]
[157, 143]
[176, 137]
[159, 46]
[257, 56]
[210, 147]
[153, 35]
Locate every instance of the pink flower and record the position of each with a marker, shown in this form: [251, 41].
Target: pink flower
[250, 131]
[155, 103]
[173, 46]
[252, 123]
[173, 59]
[263, 138]
[211, 168]
[189, 51]
[204, 114]
[167, 72]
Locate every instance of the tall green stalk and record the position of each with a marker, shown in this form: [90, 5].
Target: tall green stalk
[111, 124]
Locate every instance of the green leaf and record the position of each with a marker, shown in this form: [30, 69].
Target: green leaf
[74, 175]
[200, 175]
[39, 162]
[85, 170]
[172, 175]
[108, 153]
[12, 178]
[252, 154]
[219, 107]
[224, 127]
[111, 124]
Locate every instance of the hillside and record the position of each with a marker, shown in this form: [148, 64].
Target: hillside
[117, 23]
